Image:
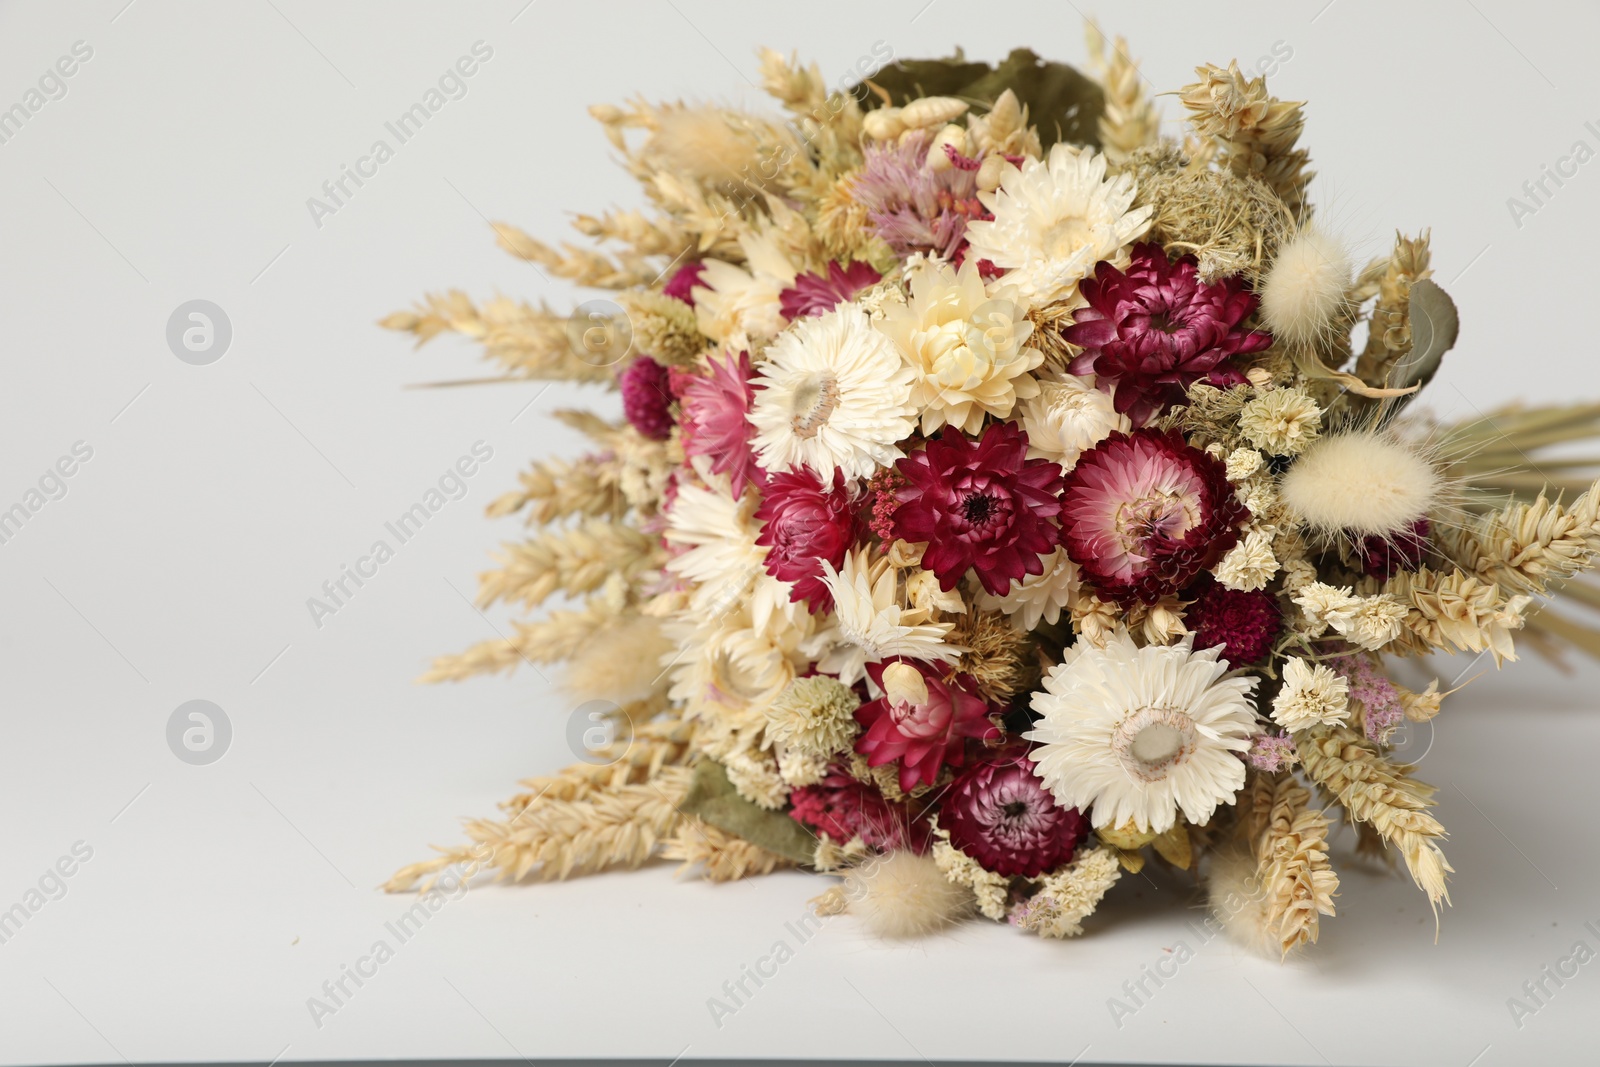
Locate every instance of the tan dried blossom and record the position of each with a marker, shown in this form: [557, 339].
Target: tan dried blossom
[1420, 707]
[1160, 623]
[1383, 795]
[1298, 573]
[1249, 564]
[717, 855]
[753, 773]
[814, 715]
[1232, 224]
[989, 888]
[664, 327]
[1094, 619]
[1004, 129]
[1376, 622]
[831, 855]
[998, 659]
[924, 593]
[1069, 894]
[1312, 695]
[1281, 421]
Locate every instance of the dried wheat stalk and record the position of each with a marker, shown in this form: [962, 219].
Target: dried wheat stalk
[574, 561]
[719, 856]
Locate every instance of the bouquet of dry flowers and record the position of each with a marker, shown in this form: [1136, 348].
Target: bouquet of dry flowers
[1003, 490]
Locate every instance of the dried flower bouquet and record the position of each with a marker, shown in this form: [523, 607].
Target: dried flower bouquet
[1003, 500]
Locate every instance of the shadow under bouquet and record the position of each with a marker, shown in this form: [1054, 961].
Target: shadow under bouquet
[1007, 496]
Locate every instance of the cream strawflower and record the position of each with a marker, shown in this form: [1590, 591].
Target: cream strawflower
[966, 352]
[1067, 417]
[737, 306]
[1132, 734]
[832, 394]
[1311, 696]
[723, 561]
[1037, 596]
[871, 623]
[1053, 221]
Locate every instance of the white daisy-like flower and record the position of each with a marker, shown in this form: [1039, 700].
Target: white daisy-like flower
[968, 353]
[1054, 219]
[723, 561]
[871, 623]
[736, 306]
[1249, 564]
[1067, 417]
[1037, 596]
[1133, 734]
[1244, 462]
[1312, 695]
[1379, 620]
[833, 393]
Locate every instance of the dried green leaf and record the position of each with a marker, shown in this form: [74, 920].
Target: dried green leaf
[712, 797]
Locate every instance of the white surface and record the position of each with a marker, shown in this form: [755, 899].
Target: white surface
[177, 567]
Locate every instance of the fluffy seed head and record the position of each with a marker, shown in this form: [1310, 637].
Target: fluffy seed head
[1366, 483]
[1304, 289]
[903, 895]
[1239, 902]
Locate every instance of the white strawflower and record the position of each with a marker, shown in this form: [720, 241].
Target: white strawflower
[1037, 596]
[1132, 734]
[833, 393]
[1281, 421]
[737, 306]
[1242, 463]
[967, 353]
[871, 623]
[1311, 696]
[1379, 620]
[1326, 605]
[1067, 417]
[1249, 564]
[1054, 219]
[723, 561]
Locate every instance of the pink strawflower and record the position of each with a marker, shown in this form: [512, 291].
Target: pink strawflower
[1382, 709]
[815, 294]
[1271, 752]
[1403, 550]
[1001, 815]
[1244, 623]
[981, 505]
[1145, 512]
[1154, 330]
[912, 207]
[647, 398]
[923, 737]
[843, 808]
[684, 279]
[802, 524]
[713, 409]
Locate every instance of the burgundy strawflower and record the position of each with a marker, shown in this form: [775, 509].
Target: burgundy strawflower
[684, 279]
[1145, 512]
[713, 408]
[1156, 329]
[1404, 550]
[843, 808]
[647, 398]
[1244, 623]
[802, 524]
[922, 736]
[980, 504]
[815, 294]
[1001, 815]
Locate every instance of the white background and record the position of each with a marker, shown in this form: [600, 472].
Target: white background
[219, 498]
